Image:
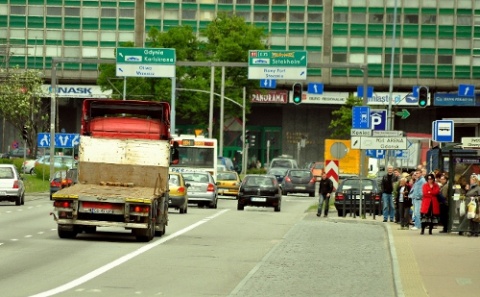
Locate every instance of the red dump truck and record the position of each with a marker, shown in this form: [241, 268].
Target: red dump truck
[124, 158]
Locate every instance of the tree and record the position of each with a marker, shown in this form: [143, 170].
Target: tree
[341, 123]
[21, 103]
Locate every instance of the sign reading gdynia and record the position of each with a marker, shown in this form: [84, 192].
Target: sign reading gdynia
[146, 62]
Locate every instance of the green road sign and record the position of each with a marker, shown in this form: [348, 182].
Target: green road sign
[404, 114]
[145, 62]
[273, 64]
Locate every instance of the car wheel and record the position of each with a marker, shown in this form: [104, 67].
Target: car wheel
[240, 206]
[278, 207]
[18, 200]
[214, 204]
[284, 193]
[340, 213]
[23, 198]
[32, 171]
[312, 194]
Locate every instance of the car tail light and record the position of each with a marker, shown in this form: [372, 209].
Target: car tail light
[181, 189]
[140, 208]
[15, 184]
[339, 196]
[287, 179]
[55, 184]
[62, 204]
[376, 197]
[210, 188]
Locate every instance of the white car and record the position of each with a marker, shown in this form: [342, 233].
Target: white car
[11, 185]
[29, 166]
[67, 162]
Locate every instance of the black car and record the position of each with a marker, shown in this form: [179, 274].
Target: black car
[299, 181]
[259, 190]
[279, 173]
[347, 196]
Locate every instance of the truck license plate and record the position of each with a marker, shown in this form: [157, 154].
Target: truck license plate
[99, 210]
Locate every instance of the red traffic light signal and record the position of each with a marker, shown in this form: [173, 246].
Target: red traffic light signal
[297, 93]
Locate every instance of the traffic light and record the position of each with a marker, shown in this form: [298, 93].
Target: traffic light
[25, 133]
[297, 93]
[422, 96]
[250, 138]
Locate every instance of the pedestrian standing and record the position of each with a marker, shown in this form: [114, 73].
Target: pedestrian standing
[444, 215]
[416, 194]
[396, 179]
[472, 191]
[325, 189]
[387, 199]
[403, 203]
[430, 208]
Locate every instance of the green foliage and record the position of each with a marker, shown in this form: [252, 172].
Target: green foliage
[341, 123]
[227, 39]
[21, 103]
[256, 171]
[34, 184]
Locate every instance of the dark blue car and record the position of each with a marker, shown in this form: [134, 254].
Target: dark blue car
[279, 173]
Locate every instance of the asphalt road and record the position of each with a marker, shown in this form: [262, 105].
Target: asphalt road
[206, 252]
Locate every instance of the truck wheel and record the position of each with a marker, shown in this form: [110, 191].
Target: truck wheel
[90, 229]
[145, 235]
[66, 233]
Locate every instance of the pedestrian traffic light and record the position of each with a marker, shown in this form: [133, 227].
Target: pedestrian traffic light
[422, 96]
[25, 133]
[297, 93]
[250, 138]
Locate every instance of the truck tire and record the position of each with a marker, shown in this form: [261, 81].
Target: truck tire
[145, 235]
[161, 232]
[240, 206]
[66, 233]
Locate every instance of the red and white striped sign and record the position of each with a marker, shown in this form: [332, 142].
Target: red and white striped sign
[331, 168]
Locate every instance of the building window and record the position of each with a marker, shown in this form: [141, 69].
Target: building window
[72, 11]
[35, 10]
[427, 59]
[279, 17]
[54, 11]
[375, 18]
[90, 12]
[127, 13]
[444, 59]
[358, 18]
[340, 17]
[314, 17]
[189, 14]
[410, 59]
[339, 58]
[429, 19]
[109, 12]
[297, 17]
[225, 1]
[315, 2]
[17, 10]
[464, 20]
[171, 14]
[260, 16]
[390, 18]
[411, 19]
[245, 15]
[388, 58]
[261, 2]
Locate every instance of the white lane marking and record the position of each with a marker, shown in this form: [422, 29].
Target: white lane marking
[41, 232]
[28, 236]
[99, 271]
[14, 239]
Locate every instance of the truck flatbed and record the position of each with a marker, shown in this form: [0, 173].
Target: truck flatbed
[95, 191]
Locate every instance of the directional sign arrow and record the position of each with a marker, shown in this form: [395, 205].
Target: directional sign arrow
[404, 114]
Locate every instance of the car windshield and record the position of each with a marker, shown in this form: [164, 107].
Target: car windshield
[6, 172]
[318, 166]
[299, 173]
[354, 185]
[226, 176]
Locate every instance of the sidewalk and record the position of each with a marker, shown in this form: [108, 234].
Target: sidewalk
[434, 265]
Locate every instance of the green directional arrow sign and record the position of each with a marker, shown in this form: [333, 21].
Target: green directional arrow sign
[404, 114]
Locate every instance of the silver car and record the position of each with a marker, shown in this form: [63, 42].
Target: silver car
[11, 185]
[202, 190]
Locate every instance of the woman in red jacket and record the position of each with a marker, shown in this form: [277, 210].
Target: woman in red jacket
[430, 209]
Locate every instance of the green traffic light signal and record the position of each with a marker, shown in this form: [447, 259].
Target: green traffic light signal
[297, 93]
[422, 96]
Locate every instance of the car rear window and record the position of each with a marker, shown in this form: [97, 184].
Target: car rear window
[259, 181]
[6, 173]
[300, 173]
[173, 180]
[277, 171]
[196, 177]
[282, 163]
[226, 176]
[354, 184]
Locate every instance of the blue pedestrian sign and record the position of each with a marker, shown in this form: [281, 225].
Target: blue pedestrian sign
[466, 90]
[443, 131]
[361, 117]
[315, 88]
[62, 140]
[268, 83]
[360, 92]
